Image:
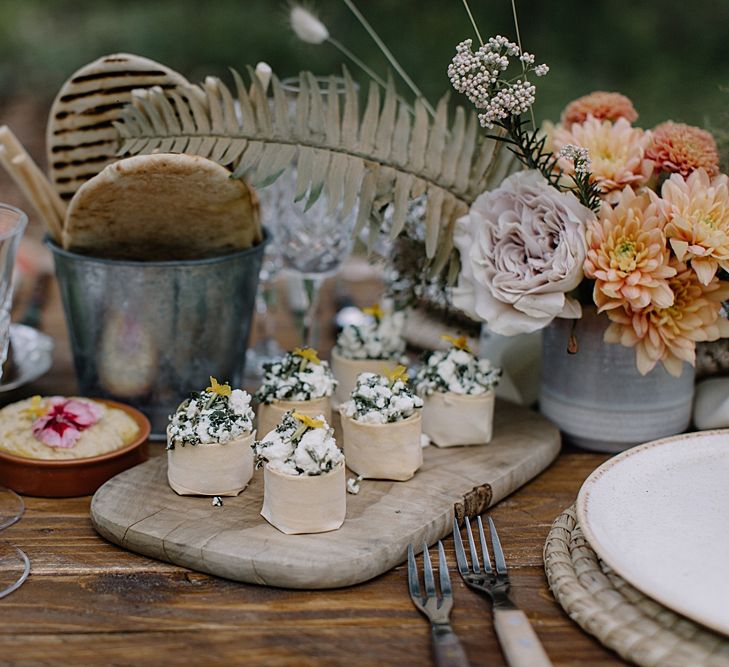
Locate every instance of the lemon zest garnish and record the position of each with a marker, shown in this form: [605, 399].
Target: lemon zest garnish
[374, 311]
[217, 388]
[400, 372]
[308, 421]
[307, 353]
[460, 342]
[36, 409]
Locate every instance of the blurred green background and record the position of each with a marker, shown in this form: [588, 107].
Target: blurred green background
[670, 56]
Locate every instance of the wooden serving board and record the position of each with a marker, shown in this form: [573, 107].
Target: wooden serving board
[138, 511]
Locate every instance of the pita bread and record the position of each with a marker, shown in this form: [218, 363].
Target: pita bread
[80, 137]
[162, 207]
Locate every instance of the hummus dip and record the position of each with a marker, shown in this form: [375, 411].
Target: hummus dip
[114, 430]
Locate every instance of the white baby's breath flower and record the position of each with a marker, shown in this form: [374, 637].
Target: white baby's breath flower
[308, 28]
[478, 76]
[527, 58]
[580, 157]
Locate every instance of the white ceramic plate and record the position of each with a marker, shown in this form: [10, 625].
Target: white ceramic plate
[658, 515]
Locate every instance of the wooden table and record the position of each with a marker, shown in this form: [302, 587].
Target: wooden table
[88, 602]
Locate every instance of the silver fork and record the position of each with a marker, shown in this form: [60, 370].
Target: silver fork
[446, 646]
[518, 640]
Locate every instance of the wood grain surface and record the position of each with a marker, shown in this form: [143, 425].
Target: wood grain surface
[138, 510]
[88, 602]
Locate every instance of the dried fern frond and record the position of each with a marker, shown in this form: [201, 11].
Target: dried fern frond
[388, 153]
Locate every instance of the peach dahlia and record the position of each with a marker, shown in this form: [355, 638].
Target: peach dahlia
[679, 148]
[628, 256]
[616, 150]
[601, 105]
[697, 211]
[669, 335]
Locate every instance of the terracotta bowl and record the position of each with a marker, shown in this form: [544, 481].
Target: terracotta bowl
[74, 477]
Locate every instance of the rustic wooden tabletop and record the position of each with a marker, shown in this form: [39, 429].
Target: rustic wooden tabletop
[90, 603]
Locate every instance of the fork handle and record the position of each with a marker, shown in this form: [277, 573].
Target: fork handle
[518, 640]
[447, 647]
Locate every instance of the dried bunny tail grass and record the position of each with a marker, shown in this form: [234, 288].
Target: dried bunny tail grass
[307, 27]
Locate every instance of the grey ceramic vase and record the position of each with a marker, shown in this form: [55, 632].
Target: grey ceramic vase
[597, 397]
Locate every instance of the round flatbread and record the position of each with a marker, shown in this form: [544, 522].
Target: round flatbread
[162, 207]
[80, 137]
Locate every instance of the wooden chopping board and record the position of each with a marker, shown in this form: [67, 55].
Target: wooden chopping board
[138, 511]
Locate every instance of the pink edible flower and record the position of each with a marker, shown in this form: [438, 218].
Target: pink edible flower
[63, 423]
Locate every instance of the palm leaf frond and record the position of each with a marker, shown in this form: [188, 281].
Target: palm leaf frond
[388, 154]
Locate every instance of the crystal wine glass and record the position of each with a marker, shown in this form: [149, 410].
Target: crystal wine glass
[314, 242]
[14, 564]
[267, 349]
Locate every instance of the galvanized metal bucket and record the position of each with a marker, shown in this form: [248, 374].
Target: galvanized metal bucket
[149, 333]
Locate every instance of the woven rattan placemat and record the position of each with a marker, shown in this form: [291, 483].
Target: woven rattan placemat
[623, 619]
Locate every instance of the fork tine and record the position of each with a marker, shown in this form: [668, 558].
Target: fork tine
[445, 577]
[428, 573]
[413, 584]
[460, 551]
[484, 547]
[472, 547]
[498, 551]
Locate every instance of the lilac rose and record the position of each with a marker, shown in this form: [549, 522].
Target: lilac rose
[522, 248]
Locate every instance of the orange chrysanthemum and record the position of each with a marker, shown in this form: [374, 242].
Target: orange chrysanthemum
[600, 105]
[681, 149]
[697, 211]
[628, 256]
[616, 151]
[669, 335]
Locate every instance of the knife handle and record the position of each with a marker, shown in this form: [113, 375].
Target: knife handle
[519, 642]
[447, 647]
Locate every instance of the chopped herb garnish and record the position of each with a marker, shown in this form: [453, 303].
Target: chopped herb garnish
[298, 376]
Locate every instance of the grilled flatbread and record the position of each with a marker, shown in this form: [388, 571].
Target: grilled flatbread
[162, 207]
[80, 138]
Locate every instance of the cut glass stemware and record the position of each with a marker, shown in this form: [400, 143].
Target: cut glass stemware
[14, 564]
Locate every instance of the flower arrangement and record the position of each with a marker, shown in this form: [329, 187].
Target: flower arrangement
[299, 445]
[217, 415]
[298, 376]
[634, 222]
[514, 279]
[380, 399]
[456, 370]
